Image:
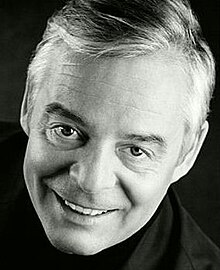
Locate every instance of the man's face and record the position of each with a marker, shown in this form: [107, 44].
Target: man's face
[104, 142]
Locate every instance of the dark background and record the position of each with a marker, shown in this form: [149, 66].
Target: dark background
[21, 26]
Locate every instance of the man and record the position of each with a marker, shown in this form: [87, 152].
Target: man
[115, 110]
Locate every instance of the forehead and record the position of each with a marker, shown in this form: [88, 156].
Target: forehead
[136, 88]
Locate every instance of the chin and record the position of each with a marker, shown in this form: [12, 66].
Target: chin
[76, 245]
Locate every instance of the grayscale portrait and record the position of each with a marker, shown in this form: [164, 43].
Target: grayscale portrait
[109, 135]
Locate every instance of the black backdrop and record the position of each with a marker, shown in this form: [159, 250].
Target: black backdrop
[21, 26]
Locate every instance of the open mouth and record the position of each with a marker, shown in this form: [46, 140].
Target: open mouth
[82, 210]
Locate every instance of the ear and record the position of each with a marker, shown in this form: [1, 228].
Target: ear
[24, 108]
[188, 160]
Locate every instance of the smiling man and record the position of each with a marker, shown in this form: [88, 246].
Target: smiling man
[115, 111]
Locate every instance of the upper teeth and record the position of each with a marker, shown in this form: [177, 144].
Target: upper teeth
[85, 211]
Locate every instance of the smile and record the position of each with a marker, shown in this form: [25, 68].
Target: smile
[85, 211]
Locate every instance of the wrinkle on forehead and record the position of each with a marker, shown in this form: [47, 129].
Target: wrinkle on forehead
[128, 75]
[94, 80]
[109, 100]
[110, 93]
[115, 83]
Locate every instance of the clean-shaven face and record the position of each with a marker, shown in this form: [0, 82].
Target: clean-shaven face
[104, 142]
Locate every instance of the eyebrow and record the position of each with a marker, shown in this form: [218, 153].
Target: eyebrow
[151, 138]
[59, 110]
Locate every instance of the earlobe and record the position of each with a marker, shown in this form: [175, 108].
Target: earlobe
[189, 159]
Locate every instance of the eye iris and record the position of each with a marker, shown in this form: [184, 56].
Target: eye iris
[136, 151]
[66, 131]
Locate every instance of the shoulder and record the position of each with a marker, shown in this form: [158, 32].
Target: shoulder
[196, 247]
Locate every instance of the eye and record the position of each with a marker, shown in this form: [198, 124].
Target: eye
[136, 158]
[136, 151]
[62, 134]
[66, 132]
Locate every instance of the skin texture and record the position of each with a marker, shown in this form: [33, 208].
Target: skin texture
[105, 134]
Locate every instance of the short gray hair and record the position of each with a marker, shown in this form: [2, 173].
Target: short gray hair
[130, 28]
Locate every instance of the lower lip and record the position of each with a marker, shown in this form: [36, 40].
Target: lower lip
[81, 219]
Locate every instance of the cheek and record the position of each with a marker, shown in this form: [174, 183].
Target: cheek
[145, 194]
[147, 190]
[41, 159]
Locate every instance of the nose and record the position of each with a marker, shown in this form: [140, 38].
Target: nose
[95, 171]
